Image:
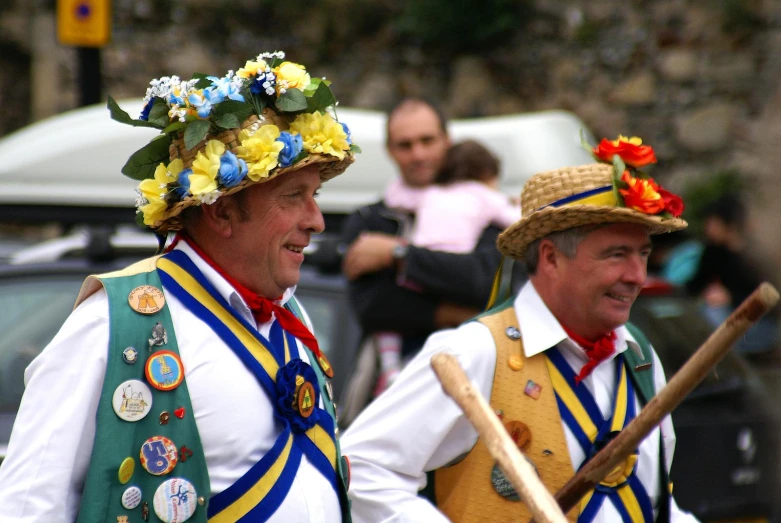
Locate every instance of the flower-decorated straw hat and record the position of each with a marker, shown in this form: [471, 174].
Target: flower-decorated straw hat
[221, 134]
[611, 191]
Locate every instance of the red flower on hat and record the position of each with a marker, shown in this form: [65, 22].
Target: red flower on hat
[672, 202]
[641, 194]
[630, 150]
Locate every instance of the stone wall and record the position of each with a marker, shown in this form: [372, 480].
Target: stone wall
[698, 80]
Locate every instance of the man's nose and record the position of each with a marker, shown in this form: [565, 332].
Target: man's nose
[636, 270]
[418, 151]
[313, 218]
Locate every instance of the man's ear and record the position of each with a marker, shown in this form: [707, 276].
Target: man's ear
[549, 258]
[220, 216]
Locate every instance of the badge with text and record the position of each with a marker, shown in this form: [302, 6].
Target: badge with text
[159, 455]
[131, 498]
[146, 299]
[132, 400]
[164, 370]
[175, 500]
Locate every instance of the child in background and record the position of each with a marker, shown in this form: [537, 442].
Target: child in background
[449, 216]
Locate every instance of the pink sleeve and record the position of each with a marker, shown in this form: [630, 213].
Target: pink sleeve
[399, 195]
[500, 211]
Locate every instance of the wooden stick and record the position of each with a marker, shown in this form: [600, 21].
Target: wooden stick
[689, 376]
[507, 455]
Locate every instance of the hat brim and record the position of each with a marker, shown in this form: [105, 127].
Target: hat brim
[329, 166]
[514, 240]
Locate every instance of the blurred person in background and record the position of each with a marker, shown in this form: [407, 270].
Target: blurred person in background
[729, 270]
[401, 288]
[450, 216]
[558, 362]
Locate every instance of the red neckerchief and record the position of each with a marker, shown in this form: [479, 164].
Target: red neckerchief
[597, 351]
[261, 307]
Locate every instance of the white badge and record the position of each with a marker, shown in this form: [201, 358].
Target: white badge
[131, 498]
[175, 500]
[132, 400]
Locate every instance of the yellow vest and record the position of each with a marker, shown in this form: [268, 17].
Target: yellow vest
[466, 491]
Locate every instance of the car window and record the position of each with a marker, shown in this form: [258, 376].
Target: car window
[33, 310]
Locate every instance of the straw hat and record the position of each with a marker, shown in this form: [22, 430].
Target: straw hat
[220, 135]
[557, 200]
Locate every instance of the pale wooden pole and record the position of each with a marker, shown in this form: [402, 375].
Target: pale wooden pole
[507, 455]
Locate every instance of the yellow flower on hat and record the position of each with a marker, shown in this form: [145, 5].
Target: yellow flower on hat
[206, 167]
[155, 190]
[252, 68]
[321, 134]
[260, 150]
[291, 76]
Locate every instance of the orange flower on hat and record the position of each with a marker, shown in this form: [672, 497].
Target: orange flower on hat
[672, 202]
[641, 194]
[630, 150]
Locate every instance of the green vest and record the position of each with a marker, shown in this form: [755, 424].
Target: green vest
[119, 442]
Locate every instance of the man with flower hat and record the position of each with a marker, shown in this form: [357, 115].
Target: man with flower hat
[189, 386]
[561, 366]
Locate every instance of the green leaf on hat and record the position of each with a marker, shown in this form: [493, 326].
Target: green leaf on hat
[122, 117]
[310, 89]
[159, 113]
[195, 132]
[202, 82]
[233, 106]
[300, 156]
[618, 170]
[276, 62]
[291, 101]
[140, 220]
[176, 126]
[142, 164]
[355, 149]
[227, 121]
[322, 98]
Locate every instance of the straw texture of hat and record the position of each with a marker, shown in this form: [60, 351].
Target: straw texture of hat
[540, 218]
[329, 166]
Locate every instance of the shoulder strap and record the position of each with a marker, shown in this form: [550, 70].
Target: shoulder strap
[325, 393]
[641, 368]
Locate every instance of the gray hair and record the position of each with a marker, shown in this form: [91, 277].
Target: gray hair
[565, 241]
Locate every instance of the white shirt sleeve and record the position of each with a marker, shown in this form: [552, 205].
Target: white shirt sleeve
[43, 475]
[413, 429]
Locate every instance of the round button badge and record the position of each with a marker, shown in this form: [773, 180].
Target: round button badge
[126, 470]
[132, 400]
[175, 500]
[159, 455]
[146, 299]
[164, 370]
[130, 355]
[131, 498]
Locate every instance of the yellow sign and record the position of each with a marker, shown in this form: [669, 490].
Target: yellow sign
[84, 23]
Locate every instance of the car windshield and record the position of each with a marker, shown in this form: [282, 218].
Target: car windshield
[33, 310]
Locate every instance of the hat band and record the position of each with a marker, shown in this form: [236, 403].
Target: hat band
[601, 196]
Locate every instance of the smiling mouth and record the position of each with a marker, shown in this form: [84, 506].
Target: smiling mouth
[294, 248]
[625, 299]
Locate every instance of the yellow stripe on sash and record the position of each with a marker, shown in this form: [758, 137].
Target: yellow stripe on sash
[239, 508]
[287, 349]
[569, 398]
[584, 501]
[323, 441]
[631, 504]
[191, 285]
[619, 414]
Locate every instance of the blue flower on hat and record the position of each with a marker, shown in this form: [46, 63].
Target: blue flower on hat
[146, 110]
[347, 132]
[225, 87]
[293, 146]
[203, 100]
[264, 83]
[232, 169]
[287, 391]
[184, 183]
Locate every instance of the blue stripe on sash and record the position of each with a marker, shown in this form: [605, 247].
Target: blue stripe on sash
[574, 426]
[569, 375]
[266, 508]
[619, 504]
[643, 499]
[315, 456]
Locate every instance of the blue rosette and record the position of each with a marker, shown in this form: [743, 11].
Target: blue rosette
[290, 378]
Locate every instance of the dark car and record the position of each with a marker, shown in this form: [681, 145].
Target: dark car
[727, 457]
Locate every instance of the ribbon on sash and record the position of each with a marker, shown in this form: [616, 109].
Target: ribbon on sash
[581, 413]
[256, 495]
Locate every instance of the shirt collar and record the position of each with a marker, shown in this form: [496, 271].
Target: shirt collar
[540, 330]
[221, 285]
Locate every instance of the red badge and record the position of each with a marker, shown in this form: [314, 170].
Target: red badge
[325, 366]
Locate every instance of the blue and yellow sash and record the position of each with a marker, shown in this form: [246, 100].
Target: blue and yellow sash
[257, 494]
[581, 413]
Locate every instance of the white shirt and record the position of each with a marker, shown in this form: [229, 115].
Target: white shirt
[43, 475]
[414, 427]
